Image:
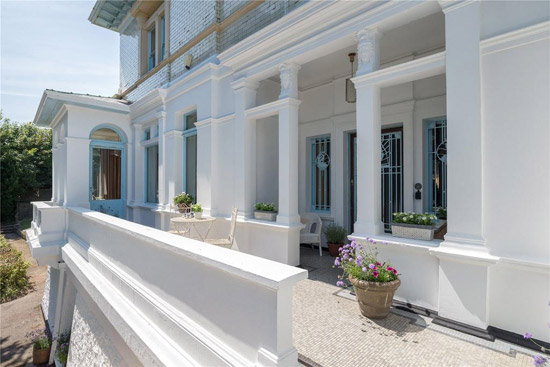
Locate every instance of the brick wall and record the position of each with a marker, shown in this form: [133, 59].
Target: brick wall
[188, 19]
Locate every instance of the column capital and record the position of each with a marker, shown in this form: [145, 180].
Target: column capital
[244, 83]
[289, 79]
[368, 50]
[160, 115]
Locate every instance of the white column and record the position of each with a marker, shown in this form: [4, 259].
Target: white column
[245, 147]
[77, 172]
[288, 146]
[368, 112]
[464, 123]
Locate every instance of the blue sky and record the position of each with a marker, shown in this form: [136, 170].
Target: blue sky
[51, 44]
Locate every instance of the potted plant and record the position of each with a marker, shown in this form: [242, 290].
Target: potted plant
[41, 346]
[413, 225]
[197, 209]
[336, 237]
[374, 282]
[183, 201]
[441, 214]
[265, 211]
[63, 343]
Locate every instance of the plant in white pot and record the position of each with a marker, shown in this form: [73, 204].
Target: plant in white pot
[197, 209]
[413, 225]
[374, 282]
[265, 211]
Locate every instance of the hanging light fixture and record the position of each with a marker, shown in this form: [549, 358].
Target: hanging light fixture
[351, 96]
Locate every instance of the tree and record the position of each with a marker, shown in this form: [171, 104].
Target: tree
[25, 162]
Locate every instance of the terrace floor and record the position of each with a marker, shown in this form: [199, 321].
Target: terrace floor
[330, 331]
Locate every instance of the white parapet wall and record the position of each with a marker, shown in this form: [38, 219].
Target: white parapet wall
[159, 299]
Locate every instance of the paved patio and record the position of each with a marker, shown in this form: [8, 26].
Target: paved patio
[330, 331]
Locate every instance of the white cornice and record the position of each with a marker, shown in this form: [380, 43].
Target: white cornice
[534, 33]
[320, 27]
[402, 73]
[270, 109]
[155, 98]
[451, 5]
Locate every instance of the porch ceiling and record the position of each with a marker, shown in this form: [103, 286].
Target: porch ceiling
[110, 13]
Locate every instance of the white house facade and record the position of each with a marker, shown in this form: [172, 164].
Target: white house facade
[446, 104]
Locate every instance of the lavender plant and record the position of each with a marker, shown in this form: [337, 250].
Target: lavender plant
[362, 263]
[539, 361]
[40, 338]
[63, 342]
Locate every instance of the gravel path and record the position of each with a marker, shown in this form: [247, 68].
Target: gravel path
[22, 315]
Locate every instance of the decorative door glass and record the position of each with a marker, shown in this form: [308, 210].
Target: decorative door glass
[392, 174]
[436, 163]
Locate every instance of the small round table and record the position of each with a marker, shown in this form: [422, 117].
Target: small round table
[187, 223]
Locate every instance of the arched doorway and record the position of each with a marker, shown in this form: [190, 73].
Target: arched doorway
[107, 171]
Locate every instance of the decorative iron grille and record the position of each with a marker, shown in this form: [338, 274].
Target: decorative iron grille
[320, 173]
[392, 175]
[436, 161]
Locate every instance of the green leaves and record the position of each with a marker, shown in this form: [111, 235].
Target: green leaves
[335, 234]
[425, 219]
[25, 162]
[13, 272]
[265, 207]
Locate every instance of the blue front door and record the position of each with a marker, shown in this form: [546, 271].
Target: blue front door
[107, 179]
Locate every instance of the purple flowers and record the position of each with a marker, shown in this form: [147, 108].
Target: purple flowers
[340, 283]
[365, 269]
[539, 361]
[527, 336]
[371, 266]
[337, 261]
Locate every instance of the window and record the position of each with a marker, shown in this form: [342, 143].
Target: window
[162, 38]
[436, 163]
[190, 154]
[147, 134]
[152, 177]
[106, 174]
[105, 134]
[154, 35]
[320, 174]
[151, 48]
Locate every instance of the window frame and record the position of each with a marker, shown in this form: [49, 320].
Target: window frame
[157, 22]
[427, 188]
[146, 194]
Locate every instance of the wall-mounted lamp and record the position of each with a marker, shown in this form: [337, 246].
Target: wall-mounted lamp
[418, 194]
[351, 96]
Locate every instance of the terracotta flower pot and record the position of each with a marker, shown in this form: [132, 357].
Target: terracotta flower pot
[40, 356]
[333, 249]
[374, 298]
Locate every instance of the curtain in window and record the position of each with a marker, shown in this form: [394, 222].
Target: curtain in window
[106, 173]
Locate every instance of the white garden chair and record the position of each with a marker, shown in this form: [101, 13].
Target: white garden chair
[311, 233]
[226, 242]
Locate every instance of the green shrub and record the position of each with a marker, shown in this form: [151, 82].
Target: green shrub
[265, 207]
[13, 272]
[440, 212]
[63, 342]
[197, 208]
[335, 234]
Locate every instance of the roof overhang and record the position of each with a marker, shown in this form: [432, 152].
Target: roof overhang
[110, 13]
[52, 102]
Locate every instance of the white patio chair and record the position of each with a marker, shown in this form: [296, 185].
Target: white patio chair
[311, 234]
[226, 242]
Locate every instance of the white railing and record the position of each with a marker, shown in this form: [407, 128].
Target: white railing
[177, 301]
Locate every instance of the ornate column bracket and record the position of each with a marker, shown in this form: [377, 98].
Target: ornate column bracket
[289, 80]
[368, 50]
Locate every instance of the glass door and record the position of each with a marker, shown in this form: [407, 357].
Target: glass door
[106, 176]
